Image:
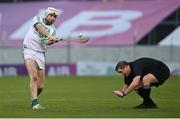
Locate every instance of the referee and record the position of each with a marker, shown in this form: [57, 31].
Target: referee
[140, 75]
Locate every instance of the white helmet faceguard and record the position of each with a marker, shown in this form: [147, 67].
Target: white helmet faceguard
[51, 10]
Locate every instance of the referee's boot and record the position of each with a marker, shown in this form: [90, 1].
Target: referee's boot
[147, 104]
[147, 101]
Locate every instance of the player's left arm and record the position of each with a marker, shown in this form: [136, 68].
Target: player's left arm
[79, 39]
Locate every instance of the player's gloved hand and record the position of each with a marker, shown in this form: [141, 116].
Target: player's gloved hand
[52, 39]
[119, 93]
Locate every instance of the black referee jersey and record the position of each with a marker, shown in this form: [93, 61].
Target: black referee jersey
[143, 66]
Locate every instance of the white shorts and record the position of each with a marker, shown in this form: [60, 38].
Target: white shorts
[39, 57]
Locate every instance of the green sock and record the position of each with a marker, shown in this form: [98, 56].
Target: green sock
[34, 102]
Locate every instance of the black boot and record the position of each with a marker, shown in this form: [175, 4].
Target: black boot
[146, 105]
[147, 101]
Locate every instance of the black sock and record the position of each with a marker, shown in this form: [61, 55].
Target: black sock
[39, 91]
[145, 94]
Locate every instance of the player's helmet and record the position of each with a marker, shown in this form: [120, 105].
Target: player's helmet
[51, 10]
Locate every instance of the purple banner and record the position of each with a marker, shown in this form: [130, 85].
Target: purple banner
[60, 69]
[12, 70]
[106, 23]
[51, 70]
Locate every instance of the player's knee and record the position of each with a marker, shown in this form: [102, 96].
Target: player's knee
[34, 78]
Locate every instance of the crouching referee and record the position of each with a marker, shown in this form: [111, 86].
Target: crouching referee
[140, 75]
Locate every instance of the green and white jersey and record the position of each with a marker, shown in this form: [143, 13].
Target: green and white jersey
[32, 39]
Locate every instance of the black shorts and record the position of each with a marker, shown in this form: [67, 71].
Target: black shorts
[161, 74]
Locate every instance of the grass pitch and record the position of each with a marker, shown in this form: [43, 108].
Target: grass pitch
[85, 97]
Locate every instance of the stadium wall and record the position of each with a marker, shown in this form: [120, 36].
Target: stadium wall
[87, 60]
[97, 54]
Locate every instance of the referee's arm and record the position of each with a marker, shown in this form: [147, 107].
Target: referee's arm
[135, 83]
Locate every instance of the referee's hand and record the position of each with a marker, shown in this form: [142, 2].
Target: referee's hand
[119, 93]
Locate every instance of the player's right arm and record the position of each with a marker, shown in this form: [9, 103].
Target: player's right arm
[42, 30]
